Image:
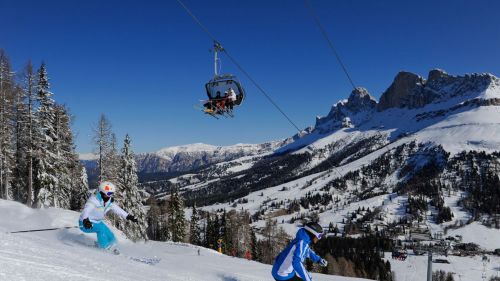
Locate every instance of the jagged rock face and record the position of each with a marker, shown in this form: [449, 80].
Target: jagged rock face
[407, 90]
[412, 91]
[359, 101]
[446, 86]
[437, 74]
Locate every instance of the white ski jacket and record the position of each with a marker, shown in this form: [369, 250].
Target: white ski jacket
[232, 95]
[95, 209]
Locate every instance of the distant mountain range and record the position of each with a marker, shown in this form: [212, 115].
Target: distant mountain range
[179, 159]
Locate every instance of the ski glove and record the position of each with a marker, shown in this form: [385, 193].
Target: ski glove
[87, 224]
[323, 263]
[131, 218]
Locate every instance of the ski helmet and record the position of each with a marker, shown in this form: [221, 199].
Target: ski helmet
[315, 229]
[107, 188]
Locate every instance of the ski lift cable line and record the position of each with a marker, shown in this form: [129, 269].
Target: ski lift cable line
[261, 90]
[218, 45]
[332, 47]
[330, 43]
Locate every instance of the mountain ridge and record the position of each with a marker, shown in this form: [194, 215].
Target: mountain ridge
[184, 158]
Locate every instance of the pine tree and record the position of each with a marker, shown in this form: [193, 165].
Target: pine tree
[176, 219]
[71, 192]
[113, 162]
[7, 128]
[153, 219]
[216, 232]
[103, 138]
[208, 232]
[165, 234]
[254, 246]
[225, 233]
[67, 160]
[80, 191]
[46, 157]
[27, 127]
[130, 196]
[19, 181]
[194, 228]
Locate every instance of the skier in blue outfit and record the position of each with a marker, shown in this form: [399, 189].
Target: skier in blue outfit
[289, 264]
[91, 218]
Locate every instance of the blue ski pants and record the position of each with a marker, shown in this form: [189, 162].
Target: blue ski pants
[105, 238]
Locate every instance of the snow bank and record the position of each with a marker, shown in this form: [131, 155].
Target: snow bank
[486, 238]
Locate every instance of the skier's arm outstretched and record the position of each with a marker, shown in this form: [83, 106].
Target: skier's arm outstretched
[313, 256]
[122, 213]
[298, 266]
[119, 211]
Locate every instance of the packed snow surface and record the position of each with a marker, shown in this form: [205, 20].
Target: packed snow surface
[65, 254]
[486, 238]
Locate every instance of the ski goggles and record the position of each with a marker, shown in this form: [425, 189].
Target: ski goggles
[318, 235]
[109, 193]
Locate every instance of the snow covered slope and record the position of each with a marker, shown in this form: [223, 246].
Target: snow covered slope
[64, 254]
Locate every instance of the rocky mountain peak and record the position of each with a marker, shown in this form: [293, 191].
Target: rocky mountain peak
[437, 74]
[360, 100]
[409, 90]
[405, 91]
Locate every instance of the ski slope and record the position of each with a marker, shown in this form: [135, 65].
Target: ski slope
[65, 254]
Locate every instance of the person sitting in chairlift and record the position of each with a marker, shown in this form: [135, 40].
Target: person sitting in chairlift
[220, 102]
[231, 98]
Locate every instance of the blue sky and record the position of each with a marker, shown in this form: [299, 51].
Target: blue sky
[144, 63]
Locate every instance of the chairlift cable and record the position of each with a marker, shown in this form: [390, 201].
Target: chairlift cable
[198, 21]
[332, 47]
[219, 47]
[217, 43]
[260, 89]
[271, 100]
[330, 43]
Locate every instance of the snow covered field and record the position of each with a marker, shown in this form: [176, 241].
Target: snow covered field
[463, 268]
[63, 254]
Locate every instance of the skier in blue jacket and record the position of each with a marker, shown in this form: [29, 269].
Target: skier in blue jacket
[96, 208]
[289, 264]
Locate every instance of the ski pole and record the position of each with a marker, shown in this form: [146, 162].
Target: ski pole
[44, 229]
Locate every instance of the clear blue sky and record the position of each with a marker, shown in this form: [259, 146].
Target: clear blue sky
[144, 63]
